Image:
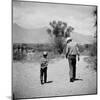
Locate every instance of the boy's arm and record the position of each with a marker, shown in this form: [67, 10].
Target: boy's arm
[41, 62]
[47, 62]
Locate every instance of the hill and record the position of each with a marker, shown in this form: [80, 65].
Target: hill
[80, 38]
[21, 35]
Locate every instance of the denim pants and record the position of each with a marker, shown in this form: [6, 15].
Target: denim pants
[72, 66]
[43, 74]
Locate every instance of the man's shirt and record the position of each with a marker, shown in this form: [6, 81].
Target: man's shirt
[72, 49]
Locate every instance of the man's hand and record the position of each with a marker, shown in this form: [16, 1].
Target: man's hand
[78, 58]
[66, 56]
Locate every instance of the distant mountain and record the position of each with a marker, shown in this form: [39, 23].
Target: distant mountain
[80, 38]
[21, 35]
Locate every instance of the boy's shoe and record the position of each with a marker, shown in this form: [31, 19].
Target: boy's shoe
[42, 83]
[45, 81]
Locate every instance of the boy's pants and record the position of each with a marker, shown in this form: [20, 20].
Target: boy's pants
[43, 74]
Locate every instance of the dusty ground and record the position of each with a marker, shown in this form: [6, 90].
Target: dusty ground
[26, 79]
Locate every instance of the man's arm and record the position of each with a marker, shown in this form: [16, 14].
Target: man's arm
[78, 53]
[67, 51]
[78, 57]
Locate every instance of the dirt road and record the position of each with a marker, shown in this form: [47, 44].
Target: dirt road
[26, 80]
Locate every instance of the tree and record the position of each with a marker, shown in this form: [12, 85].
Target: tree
[68, 31]
[95, 21]
[58, 28]
[93, 49]
[59, 31]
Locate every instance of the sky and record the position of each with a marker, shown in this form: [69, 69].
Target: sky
[33, 15]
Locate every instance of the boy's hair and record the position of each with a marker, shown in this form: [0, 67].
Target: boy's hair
[44, 56]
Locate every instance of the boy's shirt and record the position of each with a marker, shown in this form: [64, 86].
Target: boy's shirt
[44, 62]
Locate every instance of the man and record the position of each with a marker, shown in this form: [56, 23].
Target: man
[43, 69]
[71, 53]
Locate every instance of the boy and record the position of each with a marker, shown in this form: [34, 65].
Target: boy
[43, 69]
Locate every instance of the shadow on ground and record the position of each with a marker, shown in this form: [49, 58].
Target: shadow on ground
[49, 81]
[77, 79]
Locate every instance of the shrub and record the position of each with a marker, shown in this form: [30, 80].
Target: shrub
[58, 45]
[93, 49]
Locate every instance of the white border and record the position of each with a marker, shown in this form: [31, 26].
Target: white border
[5, 49]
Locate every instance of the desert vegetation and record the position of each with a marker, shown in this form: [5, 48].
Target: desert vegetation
[93, 48]
[58, 32]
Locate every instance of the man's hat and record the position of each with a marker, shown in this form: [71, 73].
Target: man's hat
[68, 39]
